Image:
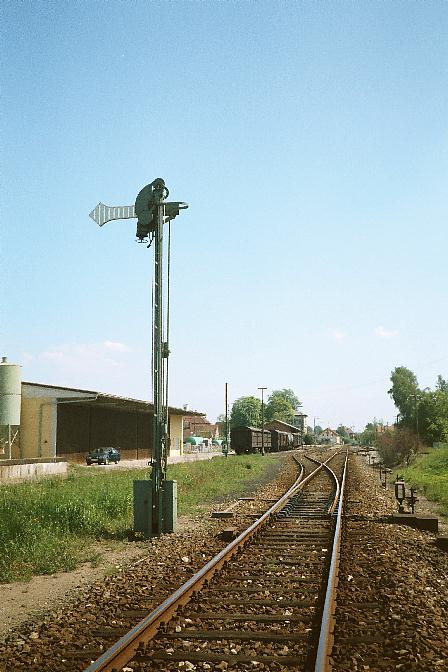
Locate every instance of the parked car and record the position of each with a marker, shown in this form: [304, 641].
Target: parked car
[103, 455]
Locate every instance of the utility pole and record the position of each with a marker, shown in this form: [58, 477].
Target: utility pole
[262, 418]
[416, 400]
[314, 428]
[227, 440]
[155, 508]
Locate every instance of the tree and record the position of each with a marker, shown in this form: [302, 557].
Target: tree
[288, 395]
[281, 405]
[369, 435]
[343, 433]
[398, 446]
[404, 391]
[279, 409]
[423, 412]
[433, 415]
[246, 411]
[442, 384]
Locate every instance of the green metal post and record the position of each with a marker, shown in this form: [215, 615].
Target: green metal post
[151, 211]
[159, 434]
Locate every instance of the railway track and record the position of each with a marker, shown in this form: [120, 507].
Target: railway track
[264, 602]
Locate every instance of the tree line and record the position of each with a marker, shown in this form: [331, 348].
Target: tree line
[280, 405]
[423, 411]
[422, 418]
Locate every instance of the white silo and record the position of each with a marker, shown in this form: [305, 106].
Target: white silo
[10, 403]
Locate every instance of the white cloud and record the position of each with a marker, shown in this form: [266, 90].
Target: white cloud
[78, 354]
[382, 332]
[338, 335]
[116, 347]
[53, 355]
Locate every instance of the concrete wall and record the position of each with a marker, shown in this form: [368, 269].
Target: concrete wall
[14, 471]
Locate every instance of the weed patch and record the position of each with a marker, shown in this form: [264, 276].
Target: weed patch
[50, 525]
[430, 473]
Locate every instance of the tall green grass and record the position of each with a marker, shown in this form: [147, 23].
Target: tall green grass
[430, 473]
[49, 525]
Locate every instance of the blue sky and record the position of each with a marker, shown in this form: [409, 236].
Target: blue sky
[310, 141]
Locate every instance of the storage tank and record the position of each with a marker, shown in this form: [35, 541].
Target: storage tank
[10, 393]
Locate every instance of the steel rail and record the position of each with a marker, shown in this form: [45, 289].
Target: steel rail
[326, 636]
[335, 478]
[125, 649]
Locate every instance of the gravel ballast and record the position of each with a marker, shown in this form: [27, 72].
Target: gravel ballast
[397, 575]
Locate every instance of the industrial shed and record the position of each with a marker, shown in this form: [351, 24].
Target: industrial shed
[285, 427]
[68, 422]
[282, 426]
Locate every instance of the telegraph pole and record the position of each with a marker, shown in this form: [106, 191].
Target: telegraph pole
[314, 428]
[262, 418]
[227, 441]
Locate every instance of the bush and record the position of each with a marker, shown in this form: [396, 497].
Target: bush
[430, 473]
[397, 446]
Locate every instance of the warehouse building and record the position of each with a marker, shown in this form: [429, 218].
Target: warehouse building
[44, 422]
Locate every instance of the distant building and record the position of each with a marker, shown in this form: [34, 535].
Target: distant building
[300, 421]
[198, 425]
[330, 436]
[221, 426]
[348, 431]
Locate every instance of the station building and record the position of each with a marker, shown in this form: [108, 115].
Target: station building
[330, 437]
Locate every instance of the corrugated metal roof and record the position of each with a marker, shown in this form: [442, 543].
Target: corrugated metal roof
[286, 424]
[104, 399]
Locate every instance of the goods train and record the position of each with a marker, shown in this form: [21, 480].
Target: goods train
[249, 440]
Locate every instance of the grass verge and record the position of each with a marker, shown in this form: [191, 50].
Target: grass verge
[430, 474]
[48, 526]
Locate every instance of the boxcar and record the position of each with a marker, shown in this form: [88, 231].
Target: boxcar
[281, 440]
[248, 440]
